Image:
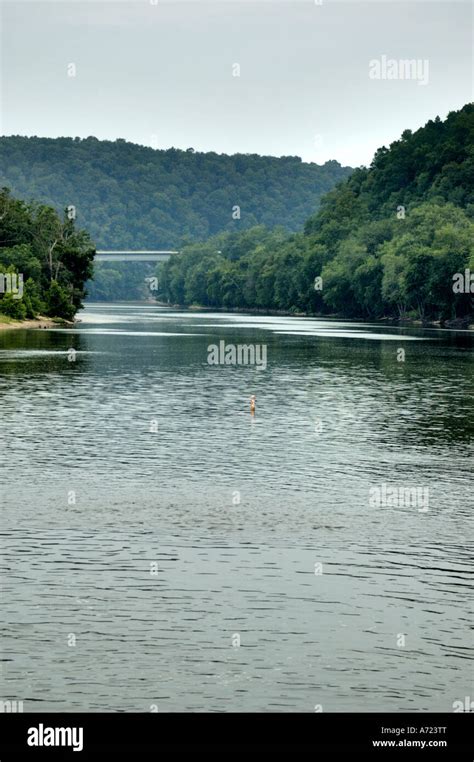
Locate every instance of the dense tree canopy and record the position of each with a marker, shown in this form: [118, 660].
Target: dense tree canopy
[130, 196]
[127, 195]
[387, 241]
[52, 256]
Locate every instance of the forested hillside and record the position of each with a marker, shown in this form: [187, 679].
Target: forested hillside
[387, 242]
[128, 195]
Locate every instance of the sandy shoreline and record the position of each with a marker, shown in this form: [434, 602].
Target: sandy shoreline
[40, 322]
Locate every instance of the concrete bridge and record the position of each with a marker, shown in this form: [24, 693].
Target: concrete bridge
[112, 255]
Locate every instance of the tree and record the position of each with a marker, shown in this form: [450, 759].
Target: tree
[47, 250]
[58, 301]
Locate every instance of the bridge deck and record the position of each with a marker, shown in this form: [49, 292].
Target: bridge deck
[113, 255]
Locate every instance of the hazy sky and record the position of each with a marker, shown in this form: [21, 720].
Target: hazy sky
[160, 72]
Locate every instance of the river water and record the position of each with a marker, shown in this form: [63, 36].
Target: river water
[163, 549]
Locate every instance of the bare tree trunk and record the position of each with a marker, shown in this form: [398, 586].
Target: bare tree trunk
[402, 310]
[50, 256]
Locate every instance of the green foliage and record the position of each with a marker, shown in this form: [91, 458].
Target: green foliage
[58, 301]
[419, 263]
[130, 196]
[13, 308]
[120, 281]
[54, 258]
[386, 242]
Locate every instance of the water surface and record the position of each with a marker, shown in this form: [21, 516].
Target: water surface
[150, 523]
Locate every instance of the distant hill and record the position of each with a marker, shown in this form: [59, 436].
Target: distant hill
[127, 195]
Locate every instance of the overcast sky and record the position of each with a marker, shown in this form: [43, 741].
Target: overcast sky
[160, 72]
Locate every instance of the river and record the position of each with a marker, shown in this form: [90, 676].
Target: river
[163, 549]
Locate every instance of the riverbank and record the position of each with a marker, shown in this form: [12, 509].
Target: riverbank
[460, 324]
[7, 323]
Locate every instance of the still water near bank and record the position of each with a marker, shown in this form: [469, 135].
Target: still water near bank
[194, 522]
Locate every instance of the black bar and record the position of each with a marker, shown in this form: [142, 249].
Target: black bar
[445, 736]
